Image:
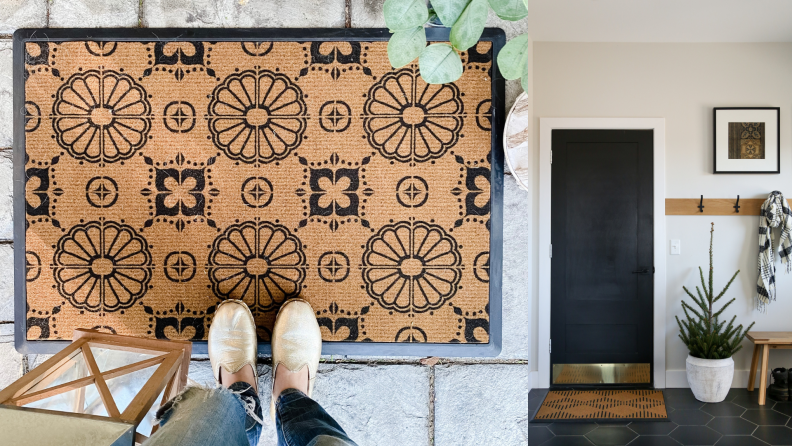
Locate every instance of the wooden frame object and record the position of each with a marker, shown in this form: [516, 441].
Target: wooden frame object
[172, 359]
[714, 206]
[764, 341]
[771, 139]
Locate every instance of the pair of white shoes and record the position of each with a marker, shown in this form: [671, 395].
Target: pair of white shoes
[296, 340]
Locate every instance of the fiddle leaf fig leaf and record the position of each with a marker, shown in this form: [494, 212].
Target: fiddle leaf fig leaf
[468, 28]
[513, 58]
[401, 15]
[406, 46]
[511, 10]
[449, 10]
[440, 64]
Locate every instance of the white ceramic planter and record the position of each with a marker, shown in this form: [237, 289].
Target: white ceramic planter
[710, 379]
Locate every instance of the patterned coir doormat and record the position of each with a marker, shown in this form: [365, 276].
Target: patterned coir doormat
[164, 176]
[603, 405]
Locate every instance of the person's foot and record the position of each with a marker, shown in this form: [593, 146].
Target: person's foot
[296, 348]
[232, 344]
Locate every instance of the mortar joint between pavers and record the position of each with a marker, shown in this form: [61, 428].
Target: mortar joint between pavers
[431, 404]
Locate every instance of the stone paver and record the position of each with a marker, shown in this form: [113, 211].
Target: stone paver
[10, 360]
[6, 283]
[6, 95]
[367, 14]
[6, 197]
[243, 13]
[481, 404]
[94, 13]
[22, 14]
[517, 255]
[353, 394]
[379, 405]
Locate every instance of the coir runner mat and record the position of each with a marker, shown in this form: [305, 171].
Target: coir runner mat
[602, 405]
[168, 170]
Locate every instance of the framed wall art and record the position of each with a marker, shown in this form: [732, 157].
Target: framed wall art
[747, 140]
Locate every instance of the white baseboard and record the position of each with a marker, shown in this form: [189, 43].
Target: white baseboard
[678, 379]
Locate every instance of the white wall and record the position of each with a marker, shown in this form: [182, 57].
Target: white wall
[682, 83]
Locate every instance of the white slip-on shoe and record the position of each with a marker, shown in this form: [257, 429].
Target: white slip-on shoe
[296, 342]
[232, 339]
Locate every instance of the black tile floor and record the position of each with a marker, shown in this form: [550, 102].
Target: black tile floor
[738, 421]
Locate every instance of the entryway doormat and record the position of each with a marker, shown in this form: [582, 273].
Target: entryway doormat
[602, 405]
[162, 171]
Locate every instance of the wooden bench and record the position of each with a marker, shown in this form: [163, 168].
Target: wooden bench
[764, 341]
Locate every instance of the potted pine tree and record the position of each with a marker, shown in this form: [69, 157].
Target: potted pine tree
[711, 342]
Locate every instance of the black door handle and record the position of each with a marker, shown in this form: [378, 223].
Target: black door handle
[641, 271]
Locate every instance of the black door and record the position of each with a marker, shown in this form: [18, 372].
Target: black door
[602, 257]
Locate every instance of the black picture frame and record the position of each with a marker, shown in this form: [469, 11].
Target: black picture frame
[498, 87]
[716, 148]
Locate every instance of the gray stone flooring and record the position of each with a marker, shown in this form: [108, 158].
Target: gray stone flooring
[737, 421]
[379, 401]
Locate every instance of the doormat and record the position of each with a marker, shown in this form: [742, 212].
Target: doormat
[602, 405]
[166, 175]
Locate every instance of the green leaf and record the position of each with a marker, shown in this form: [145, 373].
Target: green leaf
[510, 9]
[440, 64]
[449, 10]
[401, 15]
[513, 58]
[406, 46]
[468, 28]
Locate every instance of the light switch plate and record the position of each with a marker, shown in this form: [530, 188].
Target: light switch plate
[676, 247]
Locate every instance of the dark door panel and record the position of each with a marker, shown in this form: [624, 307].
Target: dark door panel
[602, 264]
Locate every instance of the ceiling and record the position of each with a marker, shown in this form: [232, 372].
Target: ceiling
[660, 20]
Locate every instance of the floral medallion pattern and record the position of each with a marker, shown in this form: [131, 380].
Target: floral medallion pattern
[475, 178]
[181, 192]
[41, 193]
[412, 267]
[335, 58]
[334, 190]
[257, 116]
[338, 324]
[179, 58]
[408, 120]
[259, 262]
[101, 116]
[179, 323]
[162, 177]
[102, 266]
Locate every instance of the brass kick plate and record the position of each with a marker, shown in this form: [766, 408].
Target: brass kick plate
[601, 374]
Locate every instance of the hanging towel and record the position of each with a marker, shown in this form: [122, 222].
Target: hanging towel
[775, 214]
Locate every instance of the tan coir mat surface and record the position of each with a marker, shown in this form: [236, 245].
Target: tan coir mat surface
[163, 178]
[591, 405]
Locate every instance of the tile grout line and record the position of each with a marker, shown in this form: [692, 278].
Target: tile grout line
[140, 14]
[47, 20]
[347, 13]
[431, 405]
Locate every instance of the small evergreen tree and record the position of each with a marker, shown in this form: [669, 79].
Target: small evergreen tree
[706, 336]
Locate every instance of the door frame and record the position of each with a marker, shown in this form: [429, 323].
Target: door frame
[546, 127]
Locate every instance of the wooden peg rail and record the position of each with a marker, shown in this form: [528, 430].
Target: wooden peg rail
[714, 206]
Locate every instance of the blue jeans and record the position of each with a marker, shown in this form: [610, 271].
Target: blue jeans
[201, 416]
